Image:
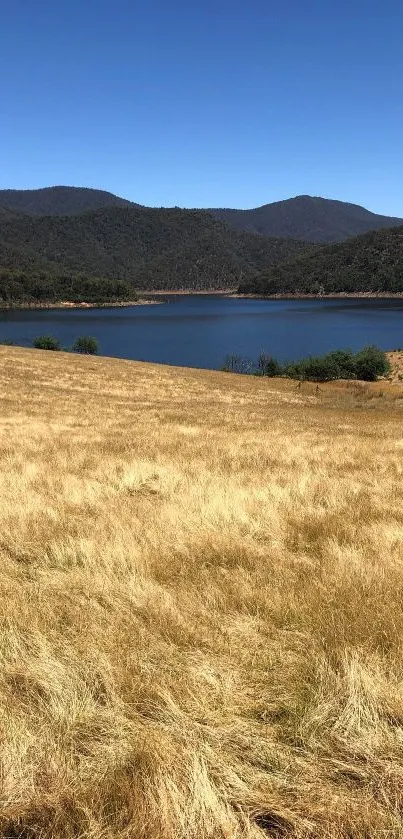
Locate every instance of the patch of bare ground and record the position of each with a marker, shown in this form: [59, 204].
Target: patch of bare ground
[396, 362]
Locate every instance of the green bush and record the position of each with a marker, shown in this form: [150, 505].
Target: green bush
[342, 363]
[338, 364]
[368, 364]
[86, 344]
[314, 368]
[273, 368]
[371, 363]
[267, 365]
[46, 342]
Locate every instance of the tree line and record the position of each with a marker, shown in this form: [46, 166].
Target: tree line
[369, 364]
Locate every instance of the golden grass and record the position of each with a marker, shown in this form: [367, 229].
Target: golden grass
[201, 604]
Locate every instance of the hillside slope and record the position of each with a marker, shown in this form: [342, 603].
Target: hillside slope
[58, 200]
[311, 219]
[372, 263]
[142, 248]
[201, 615]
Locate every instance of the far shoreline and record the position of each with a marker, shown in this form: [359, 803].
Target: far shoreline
[69, 304]
[355, 295]
[149, 298]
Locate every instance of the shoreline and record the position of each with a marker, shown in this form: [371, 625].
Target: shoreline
[69, 304]
[357, 295]
[222, 292]
[148, 299]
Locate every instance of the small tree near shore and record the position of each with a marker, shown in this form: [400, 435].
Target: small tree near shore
[268, 366]
[86, 345]
[46, 342]
[371, 363]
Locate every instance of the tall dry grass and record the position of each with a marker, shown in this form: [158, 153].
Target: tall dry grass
[201, 604]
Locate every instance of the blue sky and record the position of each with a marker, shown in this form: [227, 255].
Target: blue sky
[221, 103]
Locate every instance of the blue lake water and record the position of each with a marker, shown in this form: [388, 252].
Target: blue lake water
[199, 331]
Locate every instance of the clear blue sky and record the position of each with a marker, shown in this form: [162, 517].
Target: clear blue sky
[202, 103]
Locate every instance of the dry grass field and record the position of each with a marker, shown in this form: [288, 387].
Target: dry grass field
[201, 604]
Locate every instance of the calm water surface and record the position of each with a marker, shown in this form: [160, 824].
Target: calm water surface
[199, 331]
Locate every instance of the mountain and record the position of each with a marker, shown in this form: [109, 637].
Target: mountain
[59, 200]
[369, 263]
[88, 244]
[111, 252]
[305, 218]
[318, 220]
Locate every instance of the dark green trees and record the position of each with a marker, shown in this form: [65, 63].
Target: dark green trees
[368, 364]
[268, 366]
[46, 342]
[86, 345]
[371, 363]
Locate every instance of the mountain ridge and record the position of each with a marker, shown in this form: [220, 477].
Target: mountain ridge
[303, 217]
[309, 218]
[59, 200]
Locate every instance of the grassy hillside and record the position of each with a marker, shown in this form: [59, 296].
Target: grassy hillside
[58, 200]
[201, 609]
[373, 263]
[138, 247]
[304, 217]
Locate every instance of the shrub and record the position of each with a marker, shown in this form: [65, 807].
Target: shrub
[46, 342]
[86, 344]
[293, 371]
[368, 364]
[273, 368]
[315, 369]
[342, 363]
[268, 366]
[371, 363]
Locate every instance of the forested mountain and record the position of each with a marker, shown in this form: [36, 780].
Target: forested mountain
[372, 263]
[310, 219]
[123, 249]
[59, 200]
[84, 244]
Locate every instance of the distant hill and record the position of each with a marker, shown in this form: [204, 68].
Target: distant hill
[318, 220]
[304, 218]
[59, 200]
[89, 244]
[372, 263]
[113, 251]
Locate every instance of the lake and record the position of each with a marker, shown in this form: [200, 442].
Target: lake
[200, 330]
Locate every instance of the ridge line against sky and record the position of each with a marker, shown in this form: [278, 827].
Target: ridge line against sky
[228, 104]
[206, 207]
